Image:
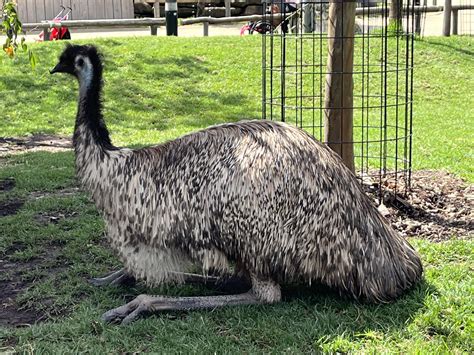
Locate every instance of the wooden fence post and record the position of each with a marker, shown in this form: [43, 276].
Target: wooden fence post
[395, 13]
[338, 103]
[455, 21]
[156, 14]
[308, 18]
[228, 12]
[46, 34]
[418, 19]
[447, 18]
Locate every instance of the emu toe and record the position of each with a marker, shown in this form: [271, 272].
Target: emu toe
[129, 312]
[114, 278]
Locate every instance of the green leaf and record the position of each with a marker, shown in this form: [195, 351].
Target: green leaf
[32, 57]
[23, 44]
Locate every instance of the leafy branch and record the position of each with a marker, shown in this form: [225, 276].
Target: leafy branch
[11, 26]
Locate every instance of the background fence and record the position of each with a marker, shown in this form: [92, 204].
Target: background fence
[39, 10]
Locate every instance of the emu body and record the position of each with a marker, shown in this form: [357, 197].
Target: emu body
[261, 194]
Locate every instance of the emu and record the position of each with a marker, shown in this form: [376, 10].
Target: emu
[264, 196]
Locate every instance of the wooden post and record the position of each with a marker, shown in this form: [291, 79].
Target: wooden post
[308, 18]
[455, 21]
[156, 9]
[338, 101]
[395, 14]
[228, 13]
[447, 18]
[156, 14]
[205, 28]
[417, 19]
[46, 34]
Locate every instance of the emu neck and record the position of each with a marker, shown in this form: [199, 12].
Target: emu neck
[90, 127]
[91, 139]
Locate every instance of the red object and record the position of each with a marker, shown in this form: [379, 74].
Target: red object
[58, 33]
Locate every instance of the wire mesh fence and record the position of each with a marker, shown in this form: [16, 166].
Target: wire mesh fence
[367, 91]
[466, 19]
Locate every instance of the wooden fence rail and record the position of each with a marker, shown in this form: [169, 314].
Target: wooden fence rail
[153, 23]
[97, 23]
[39, 10]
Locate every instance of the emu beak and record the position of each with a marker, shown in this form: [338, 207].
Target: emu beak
[59, 68]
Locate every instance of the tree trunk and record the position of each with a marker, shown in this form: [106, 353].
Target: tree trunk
[338, 102]
[447, 18]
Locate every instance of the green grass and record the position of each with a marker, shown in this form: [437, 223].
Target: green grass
[175, 86]
[155, 90]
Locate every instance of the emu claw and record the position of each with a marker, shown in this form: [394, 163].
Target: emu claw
[129, 312]
[115, 278]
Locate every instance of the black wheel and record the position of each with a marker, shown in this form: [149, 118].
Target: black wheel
[263, 27]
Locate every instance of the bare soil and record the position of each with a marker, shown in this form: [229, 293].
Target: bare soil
[14, 280]
[12, 285]
[36, 142]
[53, 217]
[7, 184]
[439, 206]
[10, 207]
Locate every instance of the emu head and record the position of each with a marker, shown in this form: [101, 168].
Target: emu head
[83, 62]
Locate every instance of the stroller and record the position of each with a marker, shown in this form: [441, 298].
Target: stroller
[272, 24]
[58, 33]
[261, 27]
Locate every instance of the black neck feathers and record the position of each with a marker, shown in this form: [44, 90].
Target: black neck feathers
[90, 125]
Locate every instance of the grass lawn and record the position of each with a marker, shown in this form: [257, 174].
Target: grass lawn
[175, 85]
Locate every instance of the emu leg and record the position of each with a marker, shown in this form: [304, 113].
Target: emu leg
[262, 292]
[145, 304]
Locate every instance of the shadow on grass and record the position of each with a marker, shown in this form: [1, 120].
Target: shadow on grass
[446, 45]
[341, 315]
[393, 314]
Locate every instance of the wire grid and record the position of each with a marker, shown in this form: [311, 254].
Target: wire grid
[295, 69]
[466, 19]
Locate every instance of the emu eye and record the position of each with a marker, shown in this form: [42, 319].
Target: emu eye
[80, 62]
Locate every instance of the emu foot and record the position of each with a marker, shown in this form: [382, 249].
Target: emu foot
[144, 305]
[115, 278]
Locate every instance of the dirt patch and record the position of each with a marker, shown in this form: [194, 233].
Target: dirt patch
[59, 193]
[7, 184]
[45, 218]
[36, 142]
[16, 278]
[440, 206]
[11, 285]
[10, 207]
